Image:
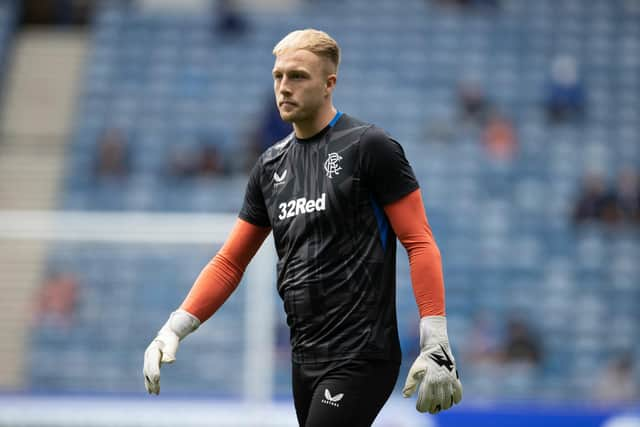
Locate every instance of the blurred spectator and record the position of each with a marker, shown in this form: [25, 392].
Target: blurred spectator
[203, 160]
[481, 345]
[499, 137]
[521, 346]
[617, 382]
[565, 98]
[182, 162]
[56, 300]
[210, 163]
[473, 109]
[617, 205]
[229, 20]
[271, 128]
[472, 100]
[627, 196]
[113, 155]
[592, 200]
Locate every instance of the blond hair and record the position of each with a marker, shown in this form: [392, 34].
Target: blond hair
[315, 41]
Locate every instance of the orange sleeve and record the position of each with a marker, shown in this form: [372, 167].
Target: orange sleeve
[220, 277]
[409, 221]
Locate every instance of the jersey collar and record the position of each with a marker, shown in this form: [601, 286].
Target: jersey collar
[320, 134]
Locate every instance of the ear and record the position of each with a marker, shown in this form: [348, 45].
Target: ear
[330, 83]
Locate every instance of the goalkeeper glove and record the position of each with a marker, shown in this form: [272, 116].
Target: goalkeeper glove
[163, 347]
[434, 372]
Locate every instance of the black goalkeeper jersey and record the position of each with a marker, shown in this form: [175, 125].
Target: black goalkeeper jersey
[323, 199]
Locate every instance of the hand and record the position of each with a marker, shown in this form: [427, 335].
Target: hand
[434, 371]
[164, 346]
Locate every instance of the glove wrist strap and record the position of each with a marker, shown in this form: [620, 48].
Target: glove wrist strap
[181, 323]
[433, 331]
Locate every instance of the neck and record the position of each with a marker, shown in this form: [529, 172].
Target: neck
[311, 127]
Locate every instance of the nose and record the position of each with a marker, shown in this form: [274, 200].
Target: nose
[284, 87]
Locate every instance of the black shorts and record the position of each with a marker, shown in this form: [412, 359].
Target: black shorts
[346, 393]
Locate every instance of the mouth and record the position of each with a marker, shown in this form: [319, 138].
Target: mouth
[287, 103]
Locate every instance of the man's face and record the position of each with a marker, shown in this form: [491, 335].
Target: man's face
[301, 84]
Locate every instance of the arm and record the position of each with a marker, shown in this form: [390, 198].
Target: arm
[433, 373]
[409, 222]
[218, 279]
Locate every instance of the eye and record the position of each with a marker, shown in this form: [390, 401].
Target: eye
[298, 76]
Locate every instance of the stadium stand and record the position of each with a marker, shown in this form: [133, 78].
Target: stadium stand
[101, 295]
[503, 227]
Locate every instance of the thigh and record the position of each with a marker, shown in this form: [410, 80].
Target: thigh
[352, 394]
[302, 386]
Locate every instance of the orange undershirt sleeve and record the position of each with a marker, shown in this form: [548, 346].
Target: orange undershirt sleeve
[409, 221]
[220, 277]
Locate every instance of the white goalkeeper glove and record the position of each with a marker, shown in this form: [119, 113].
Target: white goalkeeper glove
[434, 372]
[164, 346]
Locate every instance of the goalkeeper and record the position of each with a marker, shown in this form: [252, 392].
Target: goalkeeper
[335, 193]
